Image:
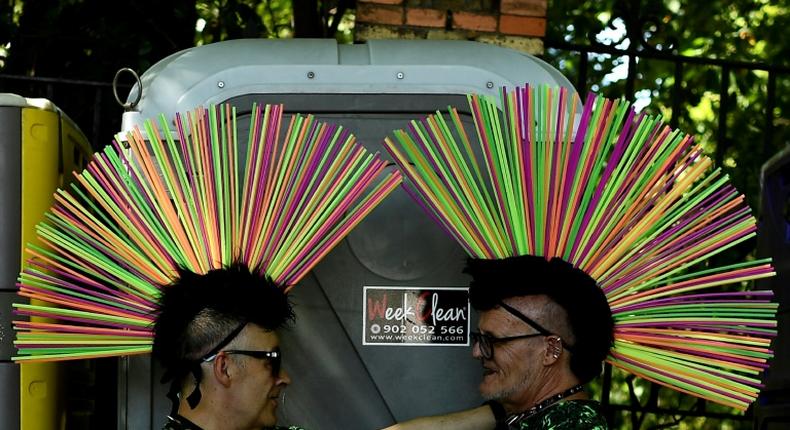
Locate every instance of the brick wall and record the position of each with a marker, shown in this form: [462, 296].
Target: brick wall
[517, 24]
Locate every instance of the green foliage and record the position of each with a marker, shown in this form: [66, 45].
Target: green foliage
[233, 19]
[9, 22]
[742, 30]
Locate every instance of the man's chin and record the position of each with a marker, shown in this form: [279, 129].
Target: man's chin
[269, 421]
[488, 391]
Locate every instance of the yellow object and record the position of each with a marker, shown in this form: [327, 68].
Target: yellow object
[52, 147]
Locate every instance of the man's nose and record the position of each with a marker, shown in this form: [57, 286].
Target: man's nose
[476, 350]
[283, 378]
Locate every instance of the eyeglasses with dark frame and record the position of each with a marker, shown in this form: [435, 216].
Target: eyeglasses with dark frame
[274, 357]
[486, 342]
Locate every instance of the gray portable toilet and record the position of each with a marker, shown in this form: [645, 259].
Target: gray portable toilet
[340, 380]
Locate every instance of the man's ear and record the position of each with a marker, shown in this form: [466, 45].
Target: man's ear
[221, 368]
[553, 350]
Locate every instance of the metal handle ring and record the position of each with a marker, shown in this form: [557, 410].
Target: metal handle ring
[129, 105]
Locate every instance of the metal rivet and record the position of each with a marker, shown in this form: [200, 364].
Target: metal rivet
[400, 75]
[220, 84]
[310, 75]
[489, 84]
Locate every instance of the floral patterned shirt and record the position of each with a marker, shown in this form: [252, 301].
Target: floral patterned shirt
[568, 415]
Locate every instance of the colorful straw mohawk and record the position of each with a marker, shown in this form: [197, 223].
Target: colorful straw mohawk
[624, 198]
[201, 202]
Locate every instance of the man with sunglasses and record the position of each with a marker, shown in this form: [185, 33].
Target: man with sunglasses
[215, 336]
[545, 329]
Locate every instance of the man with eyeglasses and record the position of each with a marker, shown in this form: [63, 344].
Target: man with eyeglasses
[545, 329]
[215, 335]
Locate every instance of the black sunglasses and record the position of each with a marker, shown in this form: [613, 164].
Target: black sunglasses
[486, 342]
[274, 357]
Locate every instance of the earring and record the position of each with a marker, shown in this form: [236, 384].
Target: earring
[557, 349]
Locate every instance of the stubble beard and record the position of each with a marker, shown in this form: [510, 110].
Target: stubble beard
[515, 390]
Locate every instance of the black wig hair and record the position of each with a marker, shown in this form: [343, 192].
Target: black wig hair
[196, 312]
[589, 316]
